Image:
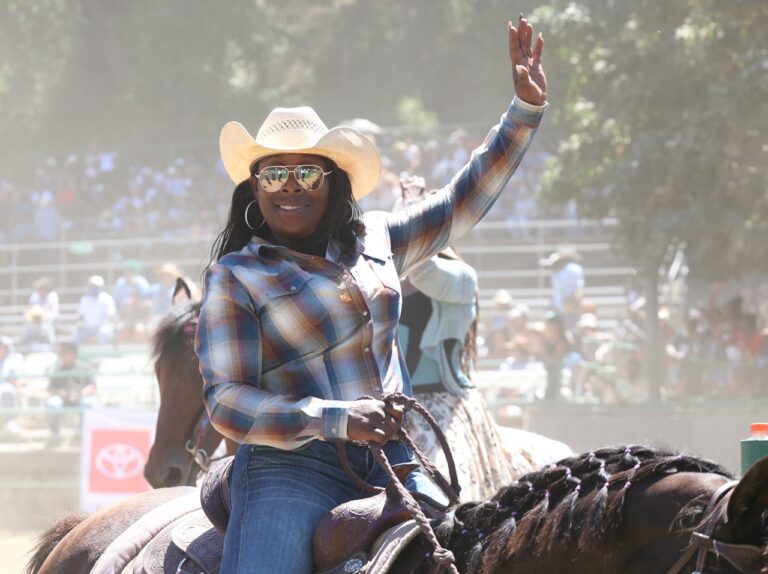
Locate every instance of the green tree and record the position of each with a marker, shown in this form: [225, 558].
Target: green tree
[663, 118]
[35, 44]
[80, 75]
[663, 123]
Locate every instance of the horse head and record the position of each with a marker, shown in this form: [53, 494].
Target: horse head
[183, 437]
[742, 530]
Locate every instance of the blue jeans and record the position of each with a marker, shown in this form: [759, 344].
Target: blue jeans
[280, 496]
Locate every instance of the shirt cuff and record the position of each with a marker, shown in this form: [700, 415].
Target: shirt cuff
[334, 421]
[529, 107]
[521, 112]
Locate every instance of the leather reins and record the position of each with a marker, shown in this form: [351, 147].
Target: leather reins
[443, 558]
[200, 459]
[744, 557]
[451, 490]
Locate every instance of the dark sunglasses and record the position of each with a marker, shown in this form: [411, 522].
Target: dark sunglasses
[273, 178]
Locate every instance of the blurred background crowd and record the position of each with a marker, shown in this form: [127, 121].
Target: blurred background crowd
[125, 194]
[622, 280]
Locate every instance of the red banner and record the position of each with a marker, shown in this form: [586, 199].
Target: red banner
[117, 460]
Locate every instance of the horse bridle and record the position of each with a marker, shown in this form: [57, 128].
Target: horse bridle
[201, 460]
[744, 557]
[203, 429]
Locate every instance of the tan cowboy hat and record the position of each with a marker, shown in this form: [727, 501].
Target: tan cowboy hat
[300, 130]
[169, 269]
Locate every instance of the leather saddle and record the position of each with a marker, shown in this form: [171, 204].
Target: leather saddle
[364, 535]
[349, 530]
[192, 545]
[186, 535]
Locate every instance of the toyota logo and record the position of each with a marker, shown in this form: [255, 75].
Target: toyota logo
[119, 461]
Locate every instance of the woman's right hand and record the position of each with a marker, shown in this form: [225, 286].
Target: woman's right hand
[527, 72]
[373, 420]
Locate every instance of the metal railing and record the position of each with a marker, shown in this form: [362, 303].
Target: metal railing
[490, 247]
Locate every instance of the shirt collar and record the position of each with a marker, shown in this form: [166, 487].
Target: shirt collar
[371, 249]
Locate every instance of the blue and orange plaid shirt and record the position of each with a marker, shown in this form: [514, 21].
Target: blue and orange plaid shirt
[287, 341]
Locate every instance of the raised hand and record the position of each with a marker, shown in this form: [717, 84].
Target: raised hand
[530, 81]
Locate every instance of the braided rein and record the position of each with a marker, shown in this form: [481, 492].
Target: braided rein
[443, 558]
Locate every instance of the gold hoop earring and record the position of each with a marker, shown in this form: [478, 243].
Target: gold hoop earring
[245, 216]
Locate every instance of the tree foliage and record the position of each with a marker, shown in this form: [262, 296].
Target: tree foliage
[83, 74]
[658, 109]
[663, 118]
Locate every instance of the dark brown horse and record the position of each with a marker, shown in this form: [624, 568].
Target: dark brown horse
[627, 509]
[184, 437]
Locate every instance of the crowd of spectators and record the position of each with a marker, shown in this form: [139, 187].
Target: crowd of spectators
[125, 312]
[715, 350]
[124, 194]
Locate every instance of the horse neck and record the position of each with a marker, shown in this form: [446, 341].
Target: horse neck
[575, 514]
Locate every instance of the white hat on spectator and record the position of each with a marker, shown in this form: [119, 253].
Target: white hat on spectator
[588, 321]
[502, 298]
[519, 311]
[96, 281]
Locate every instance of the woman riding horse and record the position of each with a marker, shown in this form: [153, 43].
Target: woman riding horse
[301, 303]
[624, 509]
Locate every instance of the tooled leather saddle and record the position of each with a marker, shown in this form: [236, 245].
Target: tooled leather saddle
[364, 535]
[360, 536]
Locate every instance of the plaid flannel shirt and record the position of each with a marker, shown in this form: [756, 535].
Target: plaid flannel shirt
[286, 341]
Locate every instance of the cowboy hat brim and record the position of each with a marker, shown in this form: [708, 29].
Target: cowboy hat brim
[346, 147]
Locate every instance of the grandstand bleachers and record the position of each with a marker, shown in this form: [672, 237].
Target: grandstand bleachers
[504, 256]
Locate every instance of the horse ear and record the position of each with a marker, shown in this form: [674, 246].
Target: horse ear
[181, 292]
[751, 493]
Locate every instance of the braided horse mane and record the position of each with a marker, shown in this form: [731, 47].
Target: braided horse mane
[538, 512]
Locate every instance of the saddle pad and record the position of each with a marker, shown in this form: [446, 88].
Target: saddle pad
[127, 546]
[199, 540]
[160, 555]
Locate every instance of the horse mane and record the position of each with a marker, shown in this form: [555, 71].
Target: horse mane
[536, 513]
[49, 539]
[173, 334]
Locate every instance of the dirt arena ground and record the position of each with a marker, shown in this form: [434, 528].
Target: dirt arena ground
[14, 547]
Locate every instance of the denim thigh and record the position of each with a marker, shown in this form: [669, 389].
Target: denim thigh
[278, 498]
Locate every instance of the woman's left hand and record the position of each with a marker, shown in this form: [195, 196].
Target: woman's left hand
[527, 72]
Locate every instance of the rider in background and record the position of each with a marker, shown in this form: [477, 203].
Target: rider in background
[300, 308]
[437, 335]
